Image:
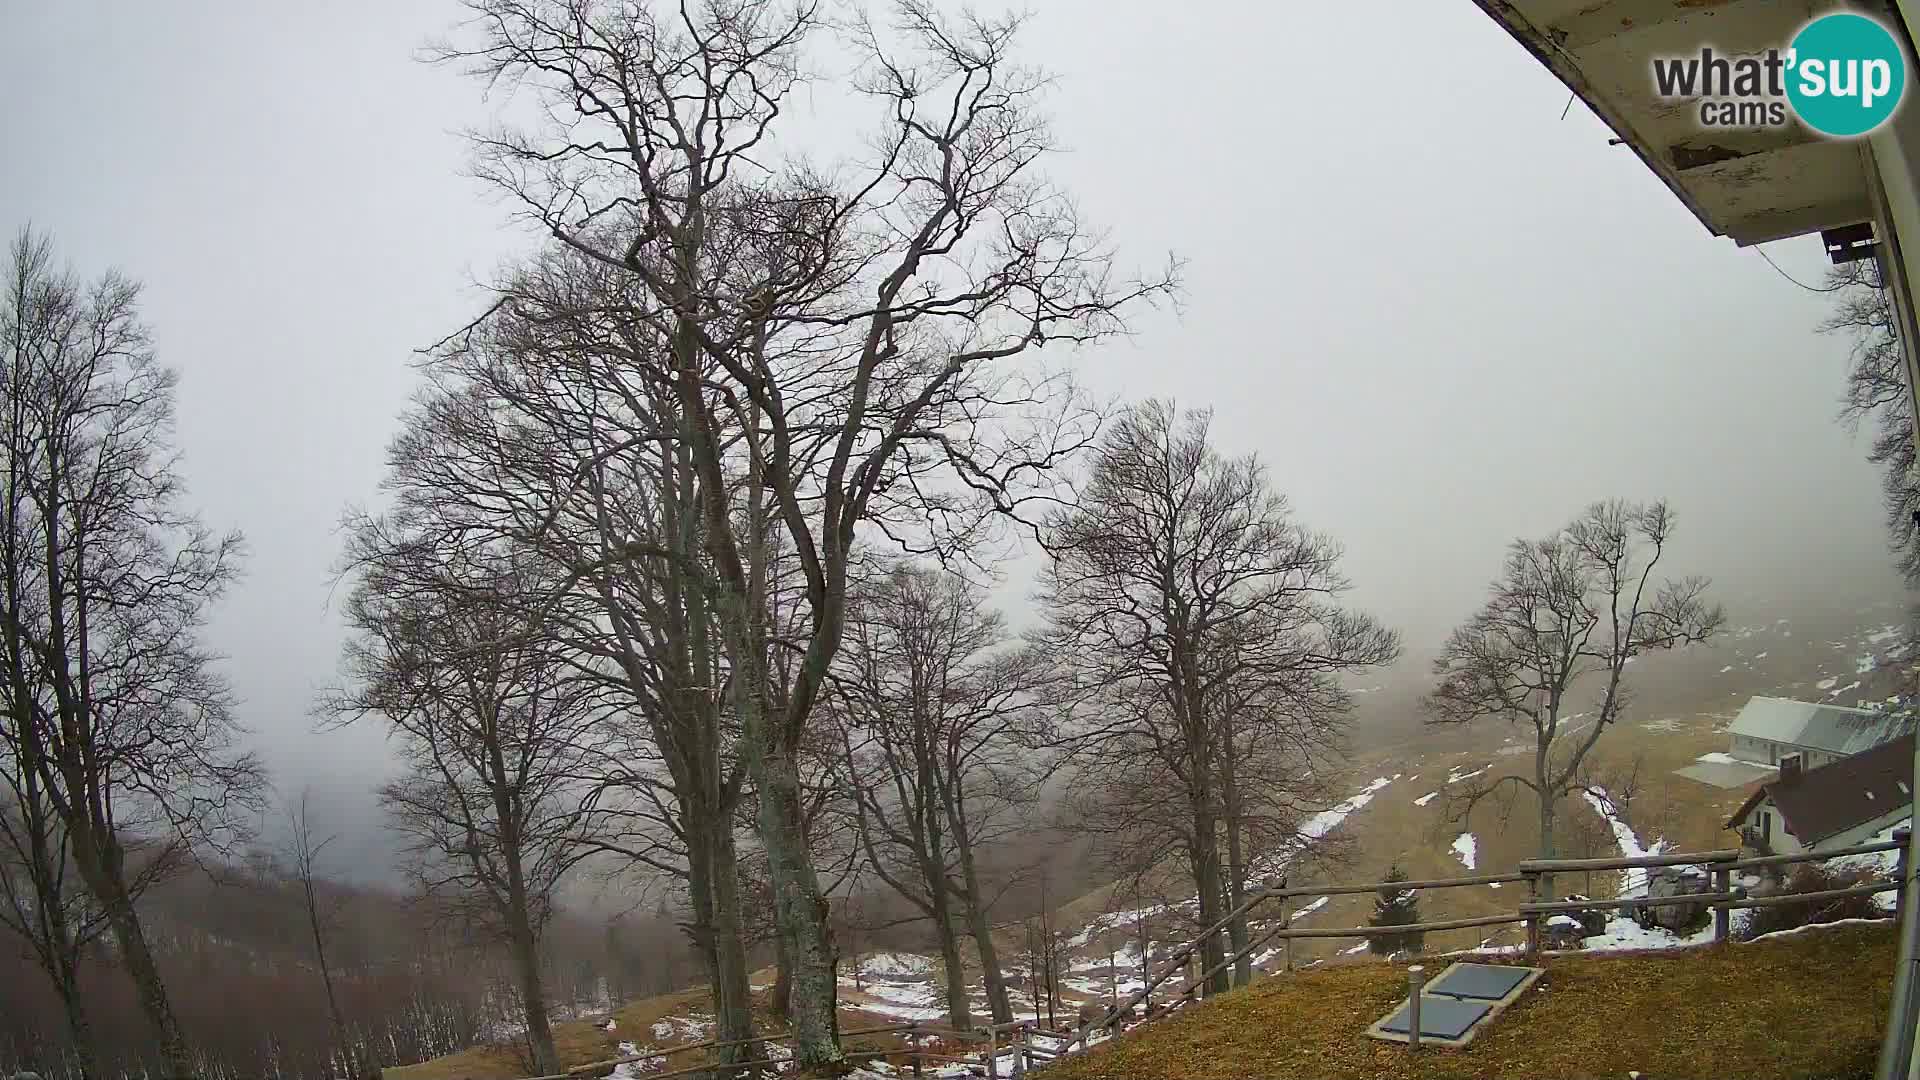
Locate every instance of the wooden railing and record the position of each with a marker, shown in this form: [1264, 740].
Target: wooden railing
[925, 1043]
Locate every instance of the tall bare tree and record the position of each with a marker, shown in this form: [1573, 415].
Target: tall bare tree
[493, 728]
[1182, 587]
[944, 726]
[39, 902]
[1581, 602]
[303, 853]
[538, 434]
[843, 332]
[113, 705]
[1877, 396]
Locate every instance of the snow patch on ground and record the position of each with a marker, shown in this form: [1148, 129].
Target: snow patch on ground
[895, 964]
[1854, 685]
[1112, 921]
[1720, 757]
[1465, 849]
[1311, 908]
[1881, 863]
[685, 1028]
[1326, 821]
[634, 1070]
[1425, 799]
[901, 1001]
[1633, 882]
[1454, 775]
[1810, 927]
[1723, 671]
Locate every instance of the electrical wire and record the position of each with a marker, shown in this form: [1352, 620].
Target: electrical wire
[1776, 269]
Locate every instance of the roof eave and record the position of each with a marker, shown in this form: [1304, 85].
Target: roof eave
[1544, 50]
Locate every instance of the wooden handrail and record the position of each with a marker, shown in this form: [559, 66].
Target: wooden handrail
[1814, 856]
[1408, 928]
[1639, 862]
[1561, 906]
[1782, 899]
[1432, 883]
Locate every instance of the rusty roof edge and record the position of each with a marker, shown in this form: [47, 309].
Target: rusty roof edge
[1547, 52]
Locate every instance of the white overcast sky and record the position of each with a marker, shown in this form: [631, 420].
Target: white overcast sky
[1442, 314]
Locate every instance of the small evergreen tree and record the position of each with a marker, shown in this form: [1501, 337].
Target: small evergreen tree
[1396, 907]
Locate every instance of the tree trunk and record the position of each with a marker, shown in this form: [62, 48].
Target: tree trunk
[135, 953]
[958, 1013]
[334, 1015]
[732, 994]
[800, 911]
[79, 1027]
[526, 962]
[998, 1003]
[1236, 882]
[782, 974]
[1237, 936]
[1206, 881]
[1547, 809]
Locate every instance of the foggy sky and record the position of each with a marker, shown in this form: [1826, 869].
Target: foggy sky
[1443, 315]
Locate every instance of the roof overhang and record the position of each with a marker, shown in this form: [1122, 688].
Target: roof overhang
[1750, 184]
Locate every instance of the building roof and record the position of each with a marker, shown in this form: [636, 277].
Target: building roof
[1831, 799]
[1750, 184]
[1831, 728]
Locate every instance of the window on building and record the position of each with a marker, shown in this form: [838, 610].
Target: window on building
[1766, 825]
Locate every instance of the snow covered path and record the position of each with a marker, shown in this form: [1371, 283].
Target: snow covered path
[1622, 931]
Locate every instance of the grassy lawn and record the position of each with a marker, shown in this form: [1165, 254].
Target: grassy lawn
[1804, 1006]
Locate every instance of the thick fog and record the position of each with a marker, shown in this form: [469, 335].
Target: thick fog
[1441, 312]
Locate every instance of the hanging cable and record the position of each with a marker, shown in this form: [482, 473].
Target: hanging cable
[1776, 269]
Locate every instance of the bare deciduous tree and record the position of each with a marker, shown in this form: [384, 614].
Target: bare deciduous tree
[1581, 602]
[493, 728]
[1878, 395]
[1182, 587]
[39, 902]
[302, 853]
[843, 332]
[537, 435]
[942, 725]
[114, 706]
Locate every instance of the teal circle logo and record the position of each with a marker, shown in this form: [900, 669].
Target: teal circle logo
[1846, 74]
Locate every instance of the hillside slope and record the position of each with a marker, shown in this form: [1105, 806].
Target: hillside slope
[1805, 1005]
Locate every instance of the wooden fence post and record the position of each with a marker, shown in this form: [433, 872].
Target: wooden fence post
[1286, 923]
[1020, 1051]
[1900, 872]
[913, 1043]
[1722, 914]
[1533, 917]
[993, 1053]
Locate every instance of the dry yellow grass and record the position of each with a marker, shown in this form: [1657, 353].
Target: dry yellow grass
[578, 1044]
[1805, 1006]
[582, 1043]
